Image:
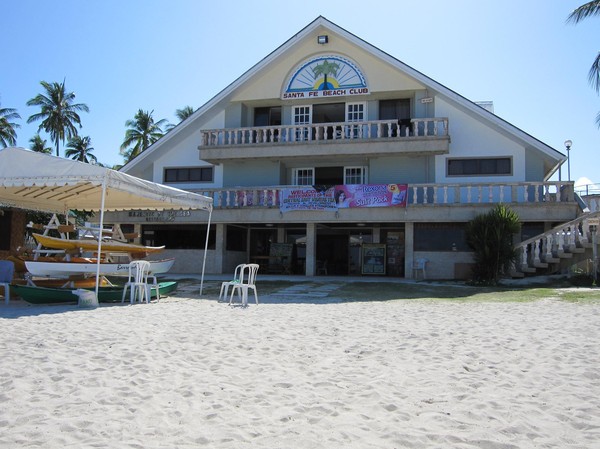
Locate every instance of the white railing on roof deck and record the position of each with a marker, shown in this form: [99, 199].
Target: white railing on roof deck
[322, 132]
[418, 194]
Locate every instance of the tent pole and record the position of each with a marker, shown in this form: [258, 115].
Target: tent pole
[104, 182]
[205, 250]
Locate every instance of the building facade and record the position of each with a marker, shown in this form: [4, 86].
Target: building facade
[332, 157]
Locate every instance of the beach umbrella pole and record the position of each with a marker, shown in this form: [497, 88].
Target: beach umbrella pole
[102, 201]
[205, 251]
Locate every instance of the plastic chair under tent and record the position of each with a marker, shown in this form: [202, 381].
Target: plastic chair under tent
[420, 265]
[138, 282]
[226, 284]
[247, 282]
[7, 271]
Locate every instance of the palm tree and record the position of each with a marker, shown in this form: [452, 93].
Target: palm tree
[326, 68]
[181, 114]
[584, 11]
[59, 113]
[8, 134]
[39, 145]
[142, 133]
[80, 149]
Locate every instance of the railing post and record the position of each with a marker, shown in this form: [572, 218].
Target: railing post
[524, 263]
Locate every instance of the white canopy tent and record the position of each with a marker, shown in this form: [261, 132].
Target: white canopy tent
[36, 181]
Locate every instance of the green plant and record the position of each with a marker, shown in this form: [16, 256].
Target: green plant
[490, 236]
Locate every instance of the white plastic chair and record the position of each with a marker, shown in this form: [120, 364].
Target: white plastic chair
[420, 265]
[247, 282]
[7, 270]
[138, 281]
[226, 284]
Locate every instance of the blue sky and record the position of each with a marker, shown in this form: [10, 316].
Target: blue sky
[122, 55]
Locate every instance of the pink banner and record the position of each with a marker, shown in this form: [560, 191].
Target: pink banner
[371, 195]
[344, 196]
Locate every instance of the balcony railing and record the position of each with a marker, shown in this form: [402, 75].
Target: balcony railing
[418, 194]
[325, 132]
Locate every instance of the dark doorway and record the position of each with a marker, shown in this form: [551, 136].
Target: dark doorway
[329, 113]
[332, 254]
[325, 176]
[397, 110]
[5, 230]
[269, 116]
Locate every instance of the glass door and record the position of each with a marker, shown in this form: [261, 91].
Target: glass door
[302, 116]
[355, 112]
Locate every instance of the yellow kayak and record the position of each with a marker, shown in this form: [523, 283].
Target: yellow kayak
[92, 245]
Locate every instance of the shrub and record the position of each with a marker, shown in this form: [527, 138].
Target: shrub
[490, 236]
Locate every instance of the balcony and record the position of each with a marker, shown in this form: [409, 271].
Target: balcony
[550, 195]
[370, 138]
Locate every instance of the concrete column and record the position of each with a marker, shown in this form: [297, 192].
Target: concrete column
[311, 248]
[280, 235]
[137, 229]
[220, 245]
[409, 253]
[376, 234]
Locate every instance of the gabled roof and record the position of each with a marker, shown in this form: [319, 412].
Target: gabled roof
[307, 32]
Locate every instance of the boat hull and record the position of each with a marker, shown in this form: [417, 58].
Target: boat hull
[45, 295]
[92, 245]
[60, 269]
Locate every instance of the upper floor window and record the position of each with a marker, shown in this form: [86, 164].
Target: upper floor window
[355, 112]
[355, 175]
[302, 115]
[480, 166]
[303, 176]
[189, 174]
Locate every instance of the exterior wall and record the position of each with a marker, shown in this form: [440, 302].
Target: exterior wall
[446, 265]
[189, 260]
[252, 173]
[399, 170]
[235, 116]
[184, 153]
[472, 138]
[376, 71]
[534, 167]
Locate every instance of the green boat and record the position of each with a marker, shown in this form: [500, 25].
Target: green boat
[45, 295]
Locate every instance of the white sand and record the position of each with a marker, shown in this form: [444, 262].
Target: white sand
[188, 373]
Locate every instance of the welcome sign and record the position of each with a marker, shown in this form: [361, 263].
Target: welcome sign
[325, 76]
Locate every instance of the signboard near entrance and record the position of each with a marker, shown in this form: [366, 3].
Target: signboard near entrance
[373, 258]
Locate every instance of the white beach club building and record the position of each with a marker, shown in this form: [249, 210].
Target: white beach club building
[332, 157]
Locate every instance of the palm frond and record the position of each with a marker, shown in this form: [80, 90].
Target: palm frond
[586, 10]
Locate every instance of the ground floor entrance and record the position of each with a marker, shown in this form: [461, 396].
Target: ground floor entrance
[342, 249]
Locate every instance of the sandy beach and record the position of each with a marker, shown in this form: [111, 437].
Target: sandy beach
[192, 372]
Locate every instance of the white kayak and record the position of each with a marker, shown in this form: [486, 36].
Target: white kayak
[65, 269]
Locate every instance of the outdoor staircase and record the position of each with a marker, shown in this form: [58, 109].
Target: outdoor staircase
[558, 249]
